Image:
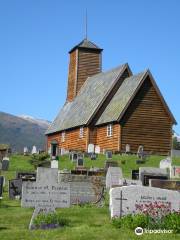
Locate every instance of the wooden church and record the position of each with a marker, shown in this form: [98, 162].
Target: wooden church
[110, 109]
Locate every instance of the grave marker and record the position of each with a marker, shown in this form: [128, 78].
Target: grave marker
[91, 148]
[165, 163]
[109, 154]
[1, 186]
[15, 188]
[46, 194]
[175, 172]
[113, 176]
[97, 149]
[34, 150]
[165, 184]
[5, 164]
[146, 173]
[140, 197]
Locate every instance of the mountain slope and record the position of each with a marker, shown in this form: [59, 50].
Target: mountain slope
[19, 132]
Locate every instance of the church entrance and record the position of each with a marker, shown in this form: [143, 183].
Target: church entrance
[54, 148]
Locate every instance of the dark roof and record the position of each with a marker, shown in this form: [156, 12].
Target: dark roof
[124, 96]
[120, 99]
[86, 44]
[88, 100]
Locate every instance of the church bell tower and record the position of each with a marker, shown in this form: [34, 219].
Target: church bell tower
[85, 61]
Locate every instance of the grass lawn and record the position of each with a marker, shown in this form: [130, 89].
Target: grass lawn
[86, 223]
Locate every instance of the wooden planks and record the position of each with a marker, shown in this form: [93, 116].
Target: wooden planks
[147, 123]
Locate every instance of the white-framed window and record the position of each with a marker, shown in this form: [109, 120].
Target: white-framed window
[109, 130]
[63, 135]
[81, 132]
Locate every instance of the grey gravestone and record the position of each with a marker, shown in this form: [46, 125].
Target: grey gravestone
[175, 172]
[80, 162]
[74, 157]
[26, 176]
[5, 164]
[93, 156]
[46, 194]
[127, 182]
[113, 176]
[1, 185]
[165, 184]
[127, 199]
[15, 188]
[109, 155]
[146, 173]
[165, 163]
[135, 174]
[84, 189]
[109, 163]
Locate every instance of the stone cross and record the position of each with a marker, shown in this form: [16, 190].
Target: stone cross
[46, 194]
[121, 199]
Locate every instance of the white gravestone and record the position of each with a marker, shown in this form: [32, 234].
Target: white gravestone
[54, 164]
[128, 149]
[91, 148]
[128, 199]
[175, 172]
[97, 149]
[26, 150]
[113, 176]
[165, 163]
[46, 194]
[34, 150]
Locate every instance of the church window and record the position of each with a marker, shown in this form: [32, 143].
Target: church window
[109, 130]
[81, 132]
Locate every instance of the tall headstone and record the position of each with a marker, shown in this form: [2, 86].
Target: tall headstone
[46, 194]
[91, 148]
[135, 174]
[5, 164]
[113, 177]
[131, 199]
[34, 150]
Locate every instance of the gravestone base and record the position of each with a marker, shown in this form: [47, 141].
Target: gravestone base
[38, 211]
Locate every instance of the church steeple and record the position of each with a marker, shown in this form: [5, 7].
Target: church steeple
[85, 61]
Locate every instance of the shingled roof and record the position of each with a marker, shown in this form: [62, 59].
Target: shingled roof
[90, 97]
[86, 44]
[120, 99]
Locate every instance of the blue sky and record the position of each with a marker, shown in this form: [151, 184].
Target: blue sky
[36, 36]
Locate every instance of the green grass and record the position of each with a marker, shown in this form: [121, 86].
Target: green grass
[86, 223]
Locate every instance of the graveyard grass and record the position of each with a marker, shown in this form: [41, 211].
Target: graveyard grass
[86, 223]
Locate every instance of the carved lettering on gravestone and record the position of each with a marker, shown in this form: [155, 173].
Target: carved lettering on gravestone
[141, 196]
[46, 194]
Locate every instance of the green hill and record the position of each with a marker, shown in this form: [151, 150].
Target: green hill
[19, 132]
